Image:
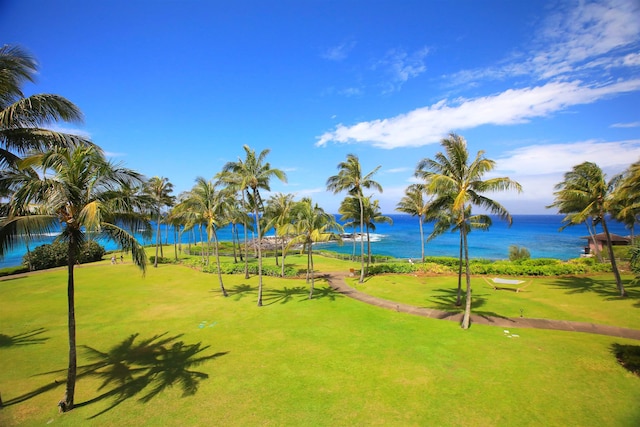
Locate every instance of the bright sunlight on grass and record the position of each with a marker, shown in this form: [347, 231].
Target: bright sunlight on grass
[189, 357]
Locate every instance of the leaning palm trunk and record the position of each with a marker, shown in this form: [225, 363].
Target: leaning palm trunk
[466, 319]
[596, 247]
[66, 404]
[283, 256]
[612, 257]
[421, 236]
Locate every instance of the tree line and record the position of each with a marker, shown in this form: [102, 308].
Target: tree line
[53, 180]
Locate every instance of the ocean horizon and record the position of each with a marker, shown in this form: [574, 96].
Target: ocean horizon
[540, 234]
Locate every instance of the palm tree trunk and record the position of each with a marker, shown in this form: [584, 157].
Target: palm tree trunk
[283, 256]
[256, 212]
[596, 247]
[368, 249]
[361, 239]
[155, 261]
[246, 253]
[66, 404]
[215, 239]
[459, 298]
[420, 222]
[612, 257]
[353, 240]
[466, 319]
[311, 264]
[275, 246]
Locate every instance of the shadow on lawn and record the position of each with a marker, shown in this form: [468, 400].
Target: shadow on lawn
[285, 295]
[132, 368]
[445, 300]
[603, 287]
[25, 338]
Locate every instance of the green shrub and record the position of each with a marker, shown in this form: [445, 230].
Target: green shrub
[517, 253]
[55, 255]
[161, 260]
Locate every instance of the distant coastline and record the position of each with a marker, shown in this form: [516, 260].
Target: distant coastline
[538, 233]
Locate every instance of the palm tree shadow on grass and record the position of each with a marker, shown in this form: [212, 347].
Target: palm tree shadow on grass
[25, 338]
[445, 300]
[602, 287]
[239, 291]
[144, 368]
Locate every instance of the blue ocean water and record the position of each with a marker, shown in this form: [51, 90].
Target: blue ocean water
[538, 233]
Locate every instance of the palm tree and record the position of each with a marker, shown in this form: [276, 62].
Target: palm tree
[279, 213]
[250, 176]
[210, 207]
[159, 190]
[23, 120]
[585, 193]
[457, 186]
[76, 190]
[373, 215]
[626, 198]
[311, 224]
[350, 179]
[350, 216]
[414, 203]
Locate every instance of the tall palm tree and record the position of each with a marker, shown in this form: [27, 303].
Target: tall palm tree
[373, 215]
[24, 121]
[210, 206]
[351, 180]
[77, 190]
[414, 203]
[159, 190]
[585, 193]
[311, 224]
[279, 213]
[250, 176]
[350, 216]
[457, 186]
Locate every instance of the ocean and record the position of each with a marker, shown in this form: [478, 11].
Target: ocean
[538, 233]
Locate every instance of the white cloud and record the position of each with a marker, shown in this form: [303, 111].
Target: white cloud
[402, 66]
[538, 168]
[339, 52]
[427, 125]
[581, 36]
[626, 125]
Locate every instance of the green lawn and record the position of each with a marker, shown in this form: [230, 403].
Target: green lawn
[331, 361]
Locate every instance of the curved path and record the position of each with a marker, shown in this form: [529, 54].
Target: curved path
[337, 282]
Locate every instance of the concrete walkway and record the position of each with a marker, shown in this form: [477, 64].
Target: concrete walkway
[337, 282]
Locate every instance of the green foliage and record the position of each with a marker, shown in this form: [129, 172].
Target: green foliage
[238, 268]
[523, 267]
[55, 255]
[628, 356]
[634, 260]
[517, 253]
[161, 260]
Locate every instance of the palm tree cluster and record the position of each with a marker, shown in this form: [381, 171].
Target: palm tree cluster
[586, 196]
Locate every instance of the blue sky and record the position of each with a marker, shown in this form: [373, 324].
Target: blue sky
[176, 88]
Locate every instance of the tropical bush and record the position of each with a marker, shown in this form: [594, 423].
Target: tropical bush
[517, 253]
[55, 255]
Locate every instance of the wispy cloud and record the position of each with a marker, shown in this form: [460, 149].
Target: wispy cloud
[626, 125]
[428, 125]
[402, 66]
[581, 37]
[538, 168]
[339, 52]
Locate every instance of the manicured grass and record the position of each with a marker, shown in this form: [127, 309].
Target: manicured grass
[592, 298]
[331, 361]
